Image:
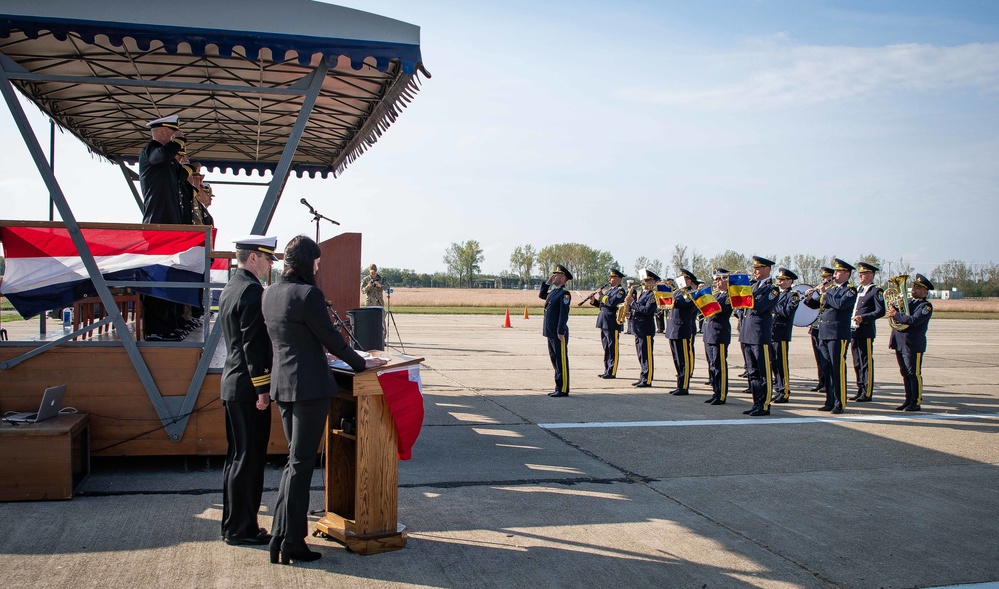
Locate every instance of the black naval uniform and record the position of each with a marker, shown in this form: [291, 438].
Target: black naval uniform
[787, 304]
[909, 346]
[870, 307]
[835, 311]
[755, 335]
[681, 325]
[556, 322]
[717, 332]
[610, 330]
[247, 373]
[643, 323]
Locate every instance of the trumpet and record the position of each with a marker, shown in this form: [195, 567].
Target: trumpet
[592, 294]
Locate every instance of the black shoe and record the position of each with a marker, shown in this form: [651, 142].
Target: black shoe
[709, 399]
[297, 554]
[822, 389]
[717, 402]
[680, 392]
[816, 388]
[558, 394]
[913, 408]
[825, 408]
[260, 539]
[902, 407]
[744, 375]
[747, 391]
[159, 337]
[779, 400]
[275, 548]
[759, 413]
[837, 409]
[642, 385]
[637, 382]
[862, 399]
[607, 376]
[707, 383]
[750, 410]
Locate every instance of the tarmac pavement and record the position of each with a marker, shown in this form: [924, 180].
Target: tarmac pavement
[609, 487]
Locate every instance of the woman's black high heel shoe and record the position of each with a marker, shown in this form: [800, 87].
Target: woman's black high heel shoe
[275, 548]
[296, 553]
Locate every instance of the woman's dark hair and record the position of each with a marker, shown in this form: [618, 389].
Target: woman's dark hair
[300, 256]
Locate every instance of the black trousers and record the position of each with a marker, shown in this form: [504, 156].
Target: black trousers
[863, 365]
[834, 366]
[558, 351]
[683, 361]
[247, 430]
[910, 364]
[758, 364]
[160, 315]
[660, 321]
[780, 372]
[304, 424]
[717, 355]
[817, 351]
[610, 339]
[644, 346]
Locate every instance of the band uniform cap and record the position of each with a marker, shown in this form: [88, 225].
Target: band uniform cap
[560, 269]
[865, 267]
[761, 262]
[839, 264]
[785, 273]
[258, 243]
[172, 122]
[196, 166]
[826, 271]
[720, 273]
[689, 275]
[923, 281]
[615, 272]
[646, 274]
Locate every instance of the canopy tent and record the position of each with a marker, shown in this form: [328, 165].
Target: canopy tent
[288, 87]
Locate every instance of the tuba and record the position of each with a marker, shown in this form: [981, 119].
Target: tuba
[622, 308]
[896, 295]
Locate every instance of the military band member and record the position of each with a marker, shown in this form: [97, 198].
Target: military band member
[835, 304]
[910, 344]
[717, 337]
[610, 329]
[681, 324]
[556, 327]
[870, 307]
[787, 304]
[813, 333]
[756, 334]
[643, 311]
[627, 318]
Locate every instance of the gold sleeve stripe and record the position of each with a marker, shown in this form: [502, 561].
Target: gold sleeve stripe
[259, 381]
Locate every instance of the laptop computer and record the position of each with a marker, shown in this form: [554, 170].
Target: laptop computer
[51, 403]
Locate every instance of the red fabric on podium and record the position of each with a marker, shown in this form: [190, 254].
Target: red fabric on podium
[404, 395]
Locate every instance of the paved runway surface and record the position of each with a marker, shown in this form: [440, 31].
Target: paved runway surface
[609, 487]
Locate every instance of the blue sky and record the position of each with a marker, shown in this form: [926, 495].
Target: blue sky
[766, 127]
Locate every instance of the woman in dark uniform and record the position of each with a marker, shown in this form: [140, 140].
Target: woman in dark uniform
[301, 384]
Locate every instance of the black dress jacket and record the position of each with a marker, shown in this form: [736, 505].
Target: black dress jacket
[912, 339]
[757, 326]
[870, 307]
[717, 328]
[301, 332]
[247, 370]
[556, 320]
[159, 181]
[643, 314]
[681, 323]
[607, 319]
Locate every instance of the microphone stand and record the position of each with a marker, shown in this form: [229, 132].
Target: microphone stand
[390, 318]
[316, 216]
[338, 323]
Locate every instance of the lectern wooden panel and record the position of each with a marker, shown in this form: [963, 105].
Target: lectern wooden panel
[362, 469]
[339, 274]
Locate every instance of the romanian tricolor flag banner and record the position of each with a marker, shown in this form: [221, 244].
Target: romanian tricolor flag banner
[664, 296]
[740, 291]
[403, 391]
[44, 271]
[706, 302]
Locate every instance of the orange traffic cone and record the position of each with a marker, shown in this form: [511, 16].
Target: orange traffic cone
[526, 316]
[506, 323]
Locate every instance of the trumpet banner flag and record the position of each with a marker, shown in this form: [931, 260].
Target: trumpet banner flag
[404, 394]
[740, 291]
[706, 302]
[44, 270]
[664, 295]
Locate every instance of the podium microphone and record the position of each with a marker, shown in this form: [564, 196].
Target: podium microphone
[306, 203]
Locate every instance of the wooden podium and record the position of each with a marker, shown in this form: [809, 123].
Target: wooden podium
[362, 468]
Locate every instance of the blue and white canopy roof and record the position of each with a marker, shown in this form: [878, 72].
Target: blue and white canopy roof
[236, 73]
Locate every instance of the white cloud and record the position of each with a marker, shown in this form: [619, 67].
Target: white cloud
[780, 77]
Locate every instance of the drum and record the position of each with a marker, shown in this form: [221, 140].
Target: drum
[804, 316]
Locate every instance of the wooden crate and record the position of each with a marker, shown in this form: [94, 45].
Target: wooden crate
[46, 460]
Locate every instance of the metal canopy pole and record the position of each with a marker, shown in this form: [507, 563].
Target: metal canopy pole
[283, 168]
[131, 183]
[31, 142]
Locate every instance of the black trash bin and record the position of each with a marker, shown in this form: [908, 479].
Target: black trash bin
[368, 328]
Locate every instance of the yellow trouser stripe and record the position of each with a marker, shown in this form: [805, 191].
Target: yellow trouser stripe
[768, 393]
[648, 354]
[565, 367]
[686, 363]
[870, 369]
[786, 370]
[614, 365]
[842, 373]
[724, 371]
[919, 378]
